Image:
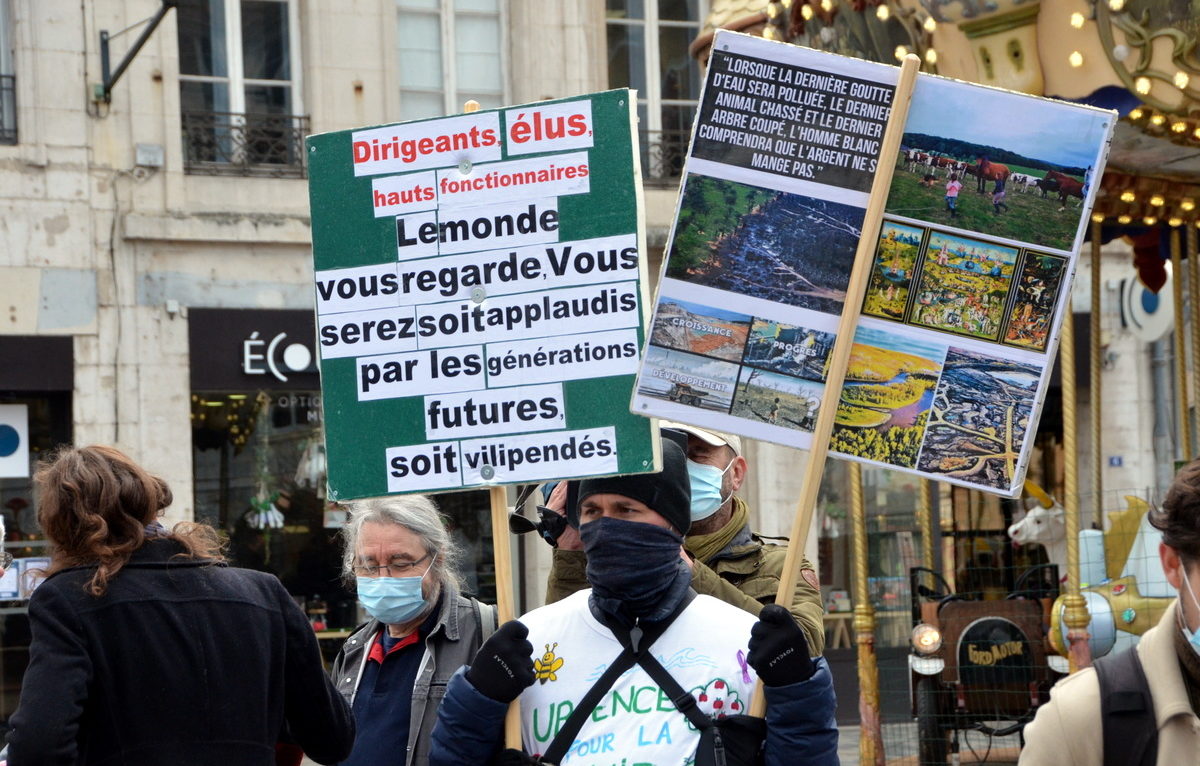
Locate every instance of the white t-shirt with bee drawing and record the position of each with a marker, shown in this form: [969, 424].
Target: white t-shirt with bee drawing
[635, 723]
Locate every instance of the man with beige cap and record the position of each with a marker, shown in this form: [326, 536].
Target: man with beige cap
[730, 562]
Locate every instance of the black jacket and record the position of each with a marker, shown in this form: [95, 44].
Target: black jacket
[182, 661]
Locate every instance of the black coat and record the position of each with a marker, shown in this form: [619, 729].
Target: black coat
[181, 662]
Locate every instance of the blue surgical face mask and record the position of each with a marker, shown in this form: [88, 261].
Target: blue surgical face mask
[393, 600]
[1192, 638]
[706, 483]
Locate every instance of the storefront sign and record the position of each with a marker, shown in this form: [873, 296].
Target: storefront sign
[14, 441]
[480, 297]
[252, 349]
[968, 288]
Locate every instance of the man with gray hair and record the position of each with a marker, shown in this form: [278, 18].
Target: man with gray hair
[394, 669]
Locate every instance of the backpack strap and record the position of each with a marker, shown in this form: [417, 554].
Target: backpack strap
[485, 618]
[631, 648]
[1126, 711]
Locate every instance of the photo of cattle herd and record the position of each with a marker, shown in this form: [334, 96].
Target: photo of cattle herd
[996, 163]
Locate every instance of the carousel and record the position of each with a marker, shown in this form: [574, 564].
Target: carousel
[989, 640]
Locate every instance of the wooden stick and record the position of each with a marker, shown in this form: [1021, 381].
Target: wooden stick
[840, 356]
[502, 554]
[504, 596]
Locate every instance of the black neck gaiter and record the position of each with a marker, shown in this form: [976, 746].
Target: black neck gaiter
[634, 568]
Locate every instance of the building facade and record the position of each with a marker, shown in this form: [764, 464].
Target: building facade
[155, 264]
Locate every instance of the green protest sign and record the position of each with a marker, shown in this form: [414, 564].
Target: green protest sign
[480, 295]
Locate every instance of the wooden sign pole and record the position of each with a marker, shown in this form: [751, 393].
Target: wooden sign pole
[502, 555]
[839, 358]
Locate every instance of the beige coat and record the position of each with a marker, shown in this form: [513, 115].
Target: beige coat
[1066, 731]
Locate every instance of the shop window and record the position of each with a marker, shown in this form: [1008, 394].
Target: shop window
[450, 51]
[259, 471]
[48, 418]
[239, 87]
[8, 79]
[648, 50]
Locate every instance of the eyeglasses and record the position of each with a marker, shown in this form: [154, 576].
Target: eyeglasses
[394, 569]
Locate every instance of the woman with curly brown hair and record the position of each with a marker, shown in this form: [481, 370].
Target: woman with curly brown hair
[148, 649]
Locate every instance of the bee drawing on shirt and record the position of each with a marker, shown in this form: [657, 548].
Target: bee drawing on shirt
[546, 668]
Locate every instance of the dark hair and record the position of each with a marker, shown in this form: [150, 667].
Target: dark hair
[94, 505]
[1179, 517]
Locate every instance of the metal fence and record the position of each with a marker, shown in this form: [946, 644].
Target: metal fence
[8, 109]
[663, 152]
[224, 143]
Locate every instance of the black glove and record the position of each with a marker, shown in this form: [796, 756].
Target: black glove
[512, 757]
[503, 666]
[778, 651]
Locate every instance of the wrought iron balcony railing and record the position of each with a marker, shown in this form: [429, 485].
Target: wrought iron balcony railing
[224, 143]
[8, 109]
[663, 152]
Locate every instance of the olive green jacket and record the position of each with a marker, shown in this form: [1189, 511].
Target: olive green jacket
[745, 574]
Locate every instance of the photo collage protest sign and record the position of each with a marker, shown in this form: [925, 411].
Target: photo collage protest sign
[480, 297]
[957, 334]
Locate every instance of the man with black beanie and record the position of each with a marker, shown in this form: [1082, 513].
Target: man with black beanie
[688, 659]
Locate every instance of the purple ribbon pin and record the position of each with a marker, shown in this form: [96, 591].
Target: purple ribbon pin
[741, 658]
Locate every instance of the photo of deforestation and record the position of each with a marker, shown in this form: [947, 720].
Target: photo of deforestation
[979, 418]
[766, 244]
[788, 349]
[778, 400]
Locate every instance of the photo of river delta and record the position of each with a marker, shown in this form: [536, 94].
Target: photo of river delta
[763, 243]
[887, 397]
[700, 329]
[979, 419]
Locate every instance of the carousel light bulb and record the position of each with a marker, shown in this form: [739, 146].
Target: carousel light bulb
[1136, 114]
[1120, 52]
[1157, 119]
[1077, 20]
[930, 24]
[1196, 133]
[787, 4]
[1187, 204]
[807, 12]
[1149, 220]
[1157, 200]
[1174, 221]
[1123, 220]
[1142, 84]
[1128, 196]
[901, 52]
[1179, 127]
[1097, 217]
[772, 10]
[1076, 59]
[770, 32]
[827, 5]
[1182, 80]
[931, 56]
[883, 13]
[1116, 5]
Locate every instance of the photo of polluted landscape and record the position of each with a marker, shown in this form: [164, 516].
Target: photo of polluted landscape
[766, 244]
[700, 329]
[979, 418]
[788, 349]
